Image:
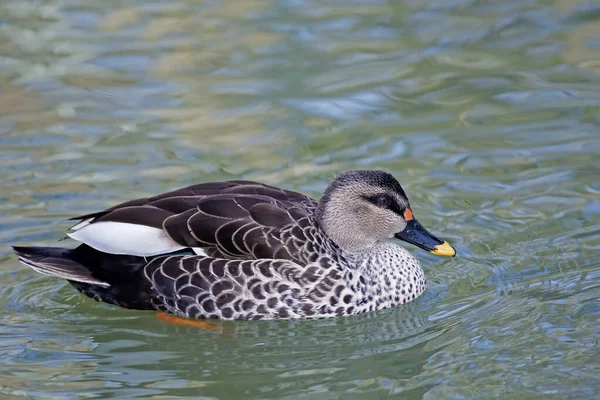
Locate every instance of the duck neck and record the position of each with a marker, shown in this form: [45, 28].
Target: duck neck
[386, 274]
[349, 236]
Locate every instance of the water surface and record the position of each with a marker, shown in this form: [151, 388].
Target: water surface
[488, 112]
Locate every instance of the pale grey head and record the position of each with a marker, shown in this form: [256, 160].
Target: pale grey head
[364, 207]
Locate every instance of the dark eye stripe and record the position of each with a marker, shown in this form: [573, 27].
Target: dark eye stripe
[393, 205]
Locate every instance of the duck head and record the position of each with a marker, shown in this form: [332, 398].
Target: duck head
[363, 207]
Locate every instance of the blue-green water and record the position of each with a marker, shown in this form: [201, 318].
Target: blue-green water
[488, 112]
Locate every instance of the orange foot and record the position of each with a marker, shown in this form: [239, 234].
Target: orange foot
[196, 323]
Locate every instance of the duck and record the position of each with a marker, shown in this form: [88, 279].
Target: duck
[244, 250]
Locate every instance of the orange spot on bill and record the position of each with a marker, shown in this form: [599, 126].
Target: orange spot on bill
[408, 215]
[195, 323]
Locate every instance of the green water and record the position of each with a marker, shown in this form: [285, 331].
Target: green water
[488, 112]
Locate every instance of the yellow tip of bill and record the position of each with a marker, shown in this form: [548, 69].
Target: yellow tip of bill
[444, 249]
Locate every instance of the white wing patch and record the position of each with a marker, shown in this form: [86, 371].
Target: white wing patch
[199, 251]
[124, 238]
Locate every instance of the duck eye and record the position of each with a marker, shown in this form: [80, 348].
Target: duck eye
[383, 201]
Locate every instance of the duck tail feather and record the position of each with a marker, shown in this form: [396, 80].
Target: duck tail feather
[55, 261]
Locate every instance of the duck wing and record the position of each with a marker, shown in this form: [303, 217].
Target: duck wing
[182, 199]
[233, 220]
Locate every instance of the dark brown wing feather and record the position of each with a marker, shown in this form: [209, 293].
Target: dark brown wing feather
[141, 215]
[186, 198]
[237, 226]
[267, 214]
[235, 219]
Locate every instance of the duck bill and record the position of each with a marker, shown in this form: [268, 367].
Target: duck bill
[414, 233]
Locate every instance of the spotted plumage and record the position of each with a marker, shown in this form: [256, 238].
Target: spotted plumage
[246, 250]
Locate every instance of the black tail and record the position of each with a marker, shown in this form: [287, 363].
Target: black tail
[55, 261]
[115, 279]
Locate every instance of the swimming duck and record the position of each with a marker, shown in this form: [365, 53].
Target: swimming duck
[246, 250]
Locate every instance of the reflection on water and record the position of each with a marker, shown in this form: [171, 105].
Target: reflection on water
[487, 112]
